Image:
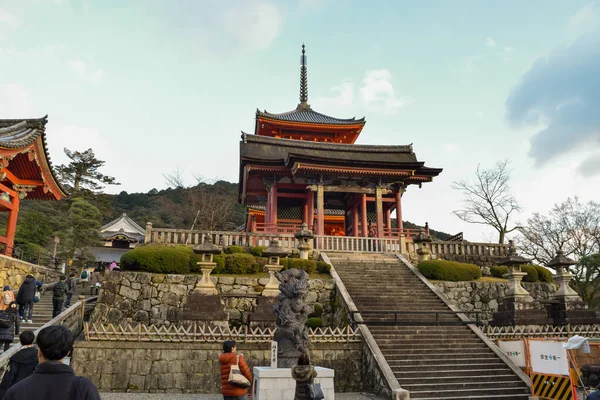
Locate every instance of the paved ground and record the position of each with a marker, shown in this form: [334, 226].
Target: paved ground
[169, 396]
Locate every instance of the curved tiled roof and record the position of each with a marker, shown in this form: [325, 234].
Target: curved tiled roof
[307, 115]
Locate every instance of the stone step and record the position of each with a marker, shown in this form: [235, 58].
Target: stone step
[424, 337]
[436, 374]
[473, 396]
[477, 389]
[437, 364]
[426, 344]
[424, 354]
[452, 379]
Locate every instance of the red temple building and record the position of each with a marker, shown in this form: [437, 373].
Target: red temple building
[302, 166]
[25, 170]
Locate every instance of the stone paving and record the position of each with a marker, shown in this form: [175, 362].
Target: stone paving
[170, 396]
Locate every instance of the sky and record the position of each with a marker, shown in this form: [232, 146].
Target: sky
[153, 86]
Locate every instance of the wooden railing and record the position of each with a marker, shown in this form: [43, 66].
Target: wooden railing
[465, 248]
[280, 227]
[204, 333]
[541, 331]
[357, 244]
[406, 232]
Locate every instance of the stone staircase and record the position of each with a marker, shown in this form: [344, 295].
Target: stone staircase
[432, 362]
[42, 313]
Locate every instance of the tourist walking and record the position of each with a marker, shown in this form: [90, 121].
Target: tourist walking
[52, 379]
[21, 364]
[72, 287]
[9, 319]
[25, 297]
[304, 374]
[227, 359]
[59, 291]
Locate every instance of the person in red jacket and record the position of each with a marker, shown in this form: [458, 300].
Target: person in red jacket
[227, 359]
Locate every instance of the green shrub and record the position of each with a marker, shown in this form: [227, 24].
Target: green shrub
[284, 262]
[317, 310]
[220, 261]
[158, 259]
[532, 274]
[257, 251]
[544, 275]
[234, 250]
[309, 266]
[239, 263]
[449, 270]
[323, 267]
[498, 271]
[314, 322]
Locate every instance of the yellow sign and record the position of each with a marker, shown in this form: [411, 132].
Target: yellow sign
[552, 387]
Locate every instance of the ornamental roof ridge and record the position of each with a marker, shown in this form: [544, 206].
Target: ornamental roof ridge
[125, 224]
[365, 148]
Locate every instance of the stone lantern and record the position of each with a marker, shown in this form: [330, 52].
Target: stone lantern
[514, 274]
[561, 264]
[420, 240]
[273, 253]
[305, 241]
[206, 250]
[518, 307]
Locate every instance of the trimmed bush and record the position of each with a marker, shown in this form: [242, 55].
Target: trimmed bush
[257, 251]
[159, 259]
[544, 275]
[498, 270]
[314, 322]
[323, 267]
[305, 265]
[220, 261]
[317, 310]
[443, 270]
[239, 263]
[532, 274]
[234, 250]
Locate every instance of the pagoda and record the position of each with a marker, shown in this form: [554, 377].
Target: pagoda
[25, 170]
[302, 166]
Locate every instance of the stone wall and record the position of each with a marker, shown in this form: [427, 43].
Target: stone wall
[13, 272]
[157, 299]
[194, 367]
[485, 296]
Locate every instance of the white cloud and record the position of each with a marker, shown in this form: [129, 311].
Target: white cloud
[254, 25]
[81, 70]
[14, 101]
[75, 137]
[490, 42]
[585, 21]
[509, 49]
[469, 62]
[343, 97]
[451, 148]
[8, 20]
[378, 94]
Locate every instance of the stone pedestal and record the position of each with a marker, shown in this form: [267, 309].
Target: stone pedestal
[263, 315]
[513, 312]
[205, 285]
[278, 384]
[572, 312]
[204, 308]
[272, 287]
[515, 290]
[304, 251]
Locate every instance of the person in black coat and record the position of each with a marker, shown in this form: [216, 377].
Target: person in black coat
[9, 326]
[52, 379]
[21, 364]
[25, 297]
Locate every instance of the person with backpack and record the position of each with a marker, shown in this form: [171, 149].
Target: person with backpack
[59, 291]
[25, 297]
[21, 364]
[9, 320]
[72, 287]
[52, 379]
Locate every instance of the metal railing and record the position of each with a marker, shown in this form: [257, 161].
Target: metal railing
[414, 318]
[39, 257]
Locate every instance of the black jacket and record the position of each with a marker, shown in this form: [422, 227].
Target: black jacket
[26, 291]
[20, 366]
[53, 380]
[8, 334]
[303, 375]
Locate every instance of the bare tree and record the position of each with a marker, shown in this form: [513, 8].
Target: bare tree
[488, 200]
[175, 179]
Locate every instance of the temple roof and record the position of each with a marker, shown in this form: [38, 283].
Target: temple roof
[309, 116]
[286, 151]
[21, 133]
[123, 226]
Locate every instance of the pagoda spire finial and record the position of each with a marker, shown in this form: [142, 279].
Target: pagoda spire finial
[303, 81]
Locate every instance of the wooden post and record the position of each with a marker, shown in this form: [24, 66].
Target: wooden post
[388, 219]
[148, 235]
[82, 301]
[11, 227]
[274, 207]
[311, 209]
[379, 210]
[363, 216]
[355, 219]
[268, 208]
[320, 210]
[399, 211]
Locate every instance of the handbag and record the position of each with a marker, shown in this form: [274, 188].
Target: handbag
[36, 298]
[315, 392]
[236, 378]
[6, 319]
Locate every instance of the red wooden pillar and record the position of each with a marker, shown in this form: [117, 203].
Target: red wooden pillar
[311, 208]
[354, 217]
[11, 227]
[363, 216]
[379, 211]
[320, 210]
[388, 218]
[399, 211]
[268, 208]
[274, 207]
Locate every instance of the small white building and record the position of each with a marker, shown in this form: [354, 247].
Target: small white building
[119, 236]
